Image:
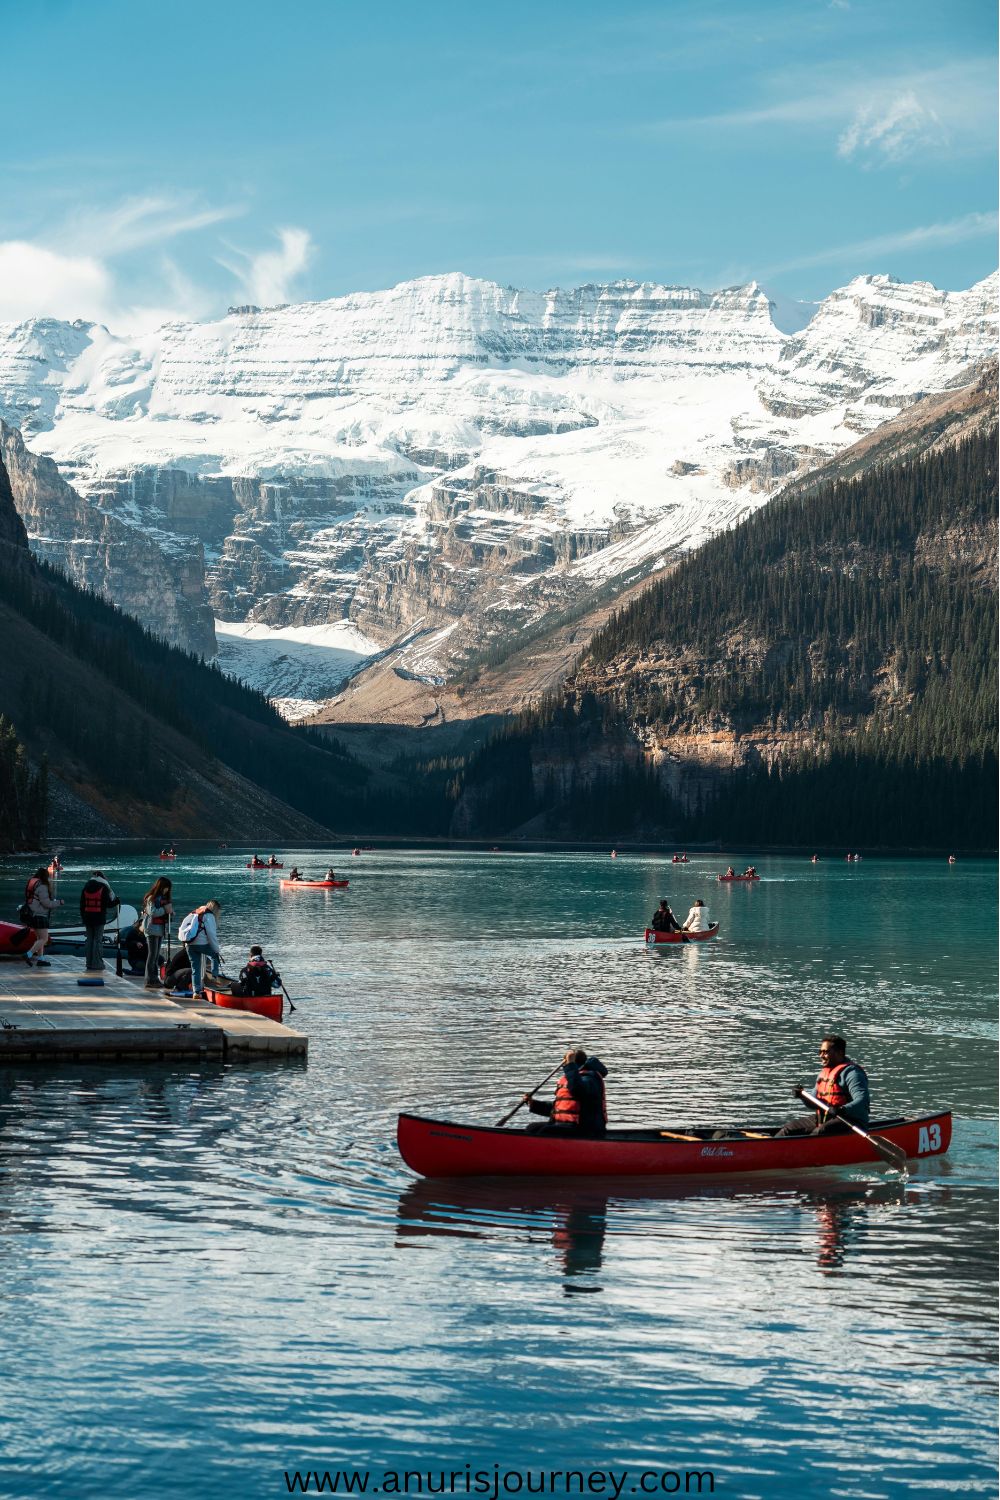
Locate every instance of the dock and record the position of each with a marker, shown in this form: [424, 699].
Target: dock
[45, 1016]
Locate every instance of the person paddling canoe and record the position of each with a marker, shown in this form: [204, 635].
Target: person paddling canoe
[841, 1087]
[663, 919]
[580, 1105]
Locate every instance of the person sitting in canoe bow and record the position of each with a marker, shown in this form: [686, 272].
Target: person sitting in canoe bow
[329, 874]
[580, 1105]
[842, 1088]
[663, 919]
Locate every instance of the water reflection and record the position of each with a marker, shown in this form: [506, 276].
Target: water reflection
[574, 1220]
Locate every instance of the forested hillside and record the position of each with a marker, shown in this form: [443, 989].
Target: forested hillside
[152, 738]
[825, 672]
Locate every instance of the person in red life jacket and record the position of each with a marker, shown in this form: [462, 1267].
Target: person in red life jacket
[96, 900]
[580, 1104]
[842, 1089]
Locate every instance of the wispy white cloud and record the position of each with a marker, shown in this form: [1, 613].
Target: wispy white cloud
[140, 222]
[892, 133]
[945, 111]
[268, 275]
[951, 232]
[36, 282]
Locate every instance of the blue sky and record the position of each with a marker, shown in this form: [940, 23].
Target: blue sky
[163, 160]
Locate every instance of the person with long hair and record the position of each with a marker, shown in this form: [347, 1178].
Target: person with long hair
[40, 903]
[157, 910]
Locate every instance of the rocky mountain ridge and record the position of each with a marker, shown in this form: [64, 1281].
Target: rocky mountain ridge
[448, 462]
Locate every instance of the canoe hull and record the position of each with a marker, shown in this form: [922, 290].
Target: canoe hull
[442, 1148]
[269, 1006]
[654, 938]
[15, 938]
[315, 885]
[735, 879]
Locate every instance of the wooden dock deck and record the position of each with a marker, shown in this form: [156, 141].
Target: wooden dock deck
[45, 1016]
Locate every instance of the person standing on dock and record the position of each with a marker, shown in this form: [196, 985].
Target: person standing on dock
[96, 900]
[39, 903]
[200, 935]
[157, 910]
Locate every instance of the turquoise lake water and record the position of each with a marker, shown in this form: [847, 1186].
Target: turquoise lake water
[213, 1275]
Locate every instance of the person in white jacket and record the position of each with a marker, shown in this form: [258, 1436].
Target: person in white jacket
[697, 918]
[204, 947]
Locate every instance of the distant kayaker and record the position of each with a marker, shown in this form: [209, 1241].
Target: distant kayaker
[842, 1088]
[580, 1104]
[663, 919]
[697, 918]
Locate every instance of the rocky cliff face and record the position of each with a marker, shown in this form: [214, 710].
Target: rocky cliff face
[451, 460]
[157, 577]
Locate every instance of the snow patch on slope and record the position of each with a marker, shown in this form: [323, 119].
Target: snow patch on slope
[296, 666]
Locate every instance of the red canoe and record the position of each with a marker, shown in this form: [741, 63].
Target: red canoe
[727, 879]
[15, 938]
[442, 1148]
[316, 885]
[654, 938]
[269, 1006]
[252, 866]
[168, 856]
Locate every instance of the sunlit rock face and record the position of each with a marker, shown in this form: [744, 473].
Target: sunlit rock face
[450, 452]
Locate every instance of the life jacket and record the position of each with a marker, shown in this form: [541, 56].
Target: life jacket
[93, 900]
[257, 976]
[828, 1090]
[566, 1109]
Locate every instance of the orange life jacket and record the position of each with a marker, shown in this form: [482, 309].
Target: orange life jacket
[828, 1090]
[566, 1109]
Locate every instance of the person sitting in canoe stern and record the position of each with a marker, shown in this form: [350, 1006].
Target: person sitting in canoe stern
[273, 861]
[580, 1105]
[841, 1086]
[730, 873]
[295, 873]
[697, 918]
[258, 975]
[663, 919]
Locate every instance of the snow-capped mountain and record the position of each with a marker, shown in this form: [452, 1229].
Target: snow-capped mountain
[450, 459]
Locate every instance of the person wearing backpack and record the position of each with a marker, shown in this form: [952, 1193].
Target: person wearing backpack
[39, 903]
[200, 935]
[96, 900]
[157, 909]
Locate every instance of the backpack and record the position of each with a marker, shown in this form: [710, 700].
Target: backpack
[24, 912]
[189, 929]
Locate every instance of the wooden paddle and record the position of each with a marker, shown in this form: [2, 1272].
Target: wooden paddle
[520, 1104]
[894, 1155]
[292, 1007]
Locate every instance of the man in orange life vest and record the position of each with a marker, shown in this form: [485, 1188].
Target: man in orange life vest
[580, 1106]
[841, 1086]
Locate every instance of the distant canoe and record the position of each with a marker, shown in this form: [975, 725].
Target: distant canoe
[444, 1148]
[728, 879]
[316, 885]
[654, 938]
[264, 865]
